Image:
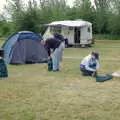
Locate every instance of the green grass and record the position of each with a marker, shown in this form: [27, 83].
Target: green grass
[33, 93]
[106, 37]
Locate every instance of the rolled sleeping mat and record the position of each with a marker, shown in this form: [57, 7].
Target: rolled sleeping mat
[116, 74]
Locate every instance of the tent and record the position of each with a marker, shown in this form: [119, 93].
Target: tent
[77, 32]
[24, 47]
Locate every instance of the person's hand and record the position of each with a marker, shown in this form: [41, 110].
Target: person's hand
[49, 57]
[42, 42]
[96, 70]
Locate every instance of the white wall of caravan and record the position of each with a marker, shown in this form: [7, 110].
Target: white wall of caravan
[86, 34]
[90, 34]
[69, 34]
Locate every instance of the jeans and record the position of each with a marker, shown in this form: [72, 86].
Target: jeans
[57, 56]
[87, 72]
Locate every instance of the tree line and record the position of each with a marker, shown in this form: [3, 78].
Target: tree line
[104, 15]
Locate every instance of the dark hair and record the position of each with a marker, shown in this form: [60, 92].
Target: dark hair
[59, 36]
[96, 54]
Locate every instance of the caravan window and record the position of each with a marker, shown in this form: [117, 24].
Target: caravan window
[70, 28]
[88, 29]
[55, 29]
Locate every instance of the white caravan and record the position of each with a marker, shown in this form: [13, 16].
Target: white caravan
[77, 32]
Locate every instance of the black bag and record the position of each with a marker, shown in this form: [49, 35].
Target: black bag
[3, 69]
[103, 78]
[1, 52]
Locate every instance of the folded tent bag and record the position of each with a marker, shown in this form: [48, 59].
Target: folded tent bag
[103, 78]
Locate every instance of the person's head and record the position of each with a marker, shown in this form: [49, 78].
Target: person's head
[95, 55]
[59, 36]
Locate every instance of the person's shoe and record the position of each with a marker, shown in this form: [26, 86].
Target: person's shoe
[56, 70]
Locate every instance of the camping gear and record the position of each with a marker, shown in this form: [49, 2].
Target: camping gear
[77, 32]
[50, 65]
[24, 47]
[1, 52]
[103, 78]
[92, 64]
[116, 74]
[3, 69]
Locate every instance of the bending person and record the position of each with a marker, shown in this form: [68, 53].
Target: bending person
[56, 45]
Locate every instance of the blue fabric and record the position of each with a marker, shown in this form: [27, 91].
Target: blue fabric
[29, 36]
[56, 59]
[92, 64]
[82, 67]
[9, 44]
[104, 78]
[8, 47]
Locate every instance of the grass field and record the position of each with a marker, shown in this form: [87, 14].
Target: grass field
[33, 93]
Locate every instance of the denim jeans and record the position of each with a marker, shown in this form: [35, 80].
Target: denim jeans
[57, 56]
[87, 72]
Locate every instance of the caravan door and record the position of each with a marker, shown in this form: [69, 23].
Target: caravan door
[77, 35]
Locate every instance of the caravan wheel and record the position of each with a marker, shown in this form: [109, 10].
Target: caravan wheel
[83, 45]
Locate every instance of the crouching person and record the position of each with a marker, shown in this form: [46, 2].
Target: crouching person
[3, 67]
[90, 65]
[56, 45]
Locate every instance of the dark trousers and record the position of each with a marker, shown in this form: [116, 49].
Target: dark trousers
[87, 72]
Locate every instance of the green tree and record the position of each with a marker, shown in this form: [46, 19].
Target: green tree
[24, 18]
[5, 28]
[101, 15]
[83, 10]
[114, 17]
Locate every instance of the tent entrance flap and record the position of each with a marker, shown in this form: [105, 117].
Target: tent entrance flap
[77, 35]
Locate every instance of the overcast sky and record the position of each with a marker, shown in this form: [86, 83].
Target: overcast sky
[2, 2]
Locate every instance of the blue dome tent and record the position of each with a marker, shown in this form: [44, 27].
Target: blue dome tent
[24, 47]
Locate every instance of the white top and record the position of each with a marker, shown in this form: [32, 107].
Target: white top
[86, 62]
[70, 23]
